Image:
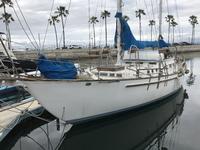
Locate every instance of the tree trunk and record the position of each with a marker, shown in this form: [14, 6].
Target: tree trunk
[193, 34]
[106, 36]
[173, 34]
[63, 26]
[56, 35]
[94, 35]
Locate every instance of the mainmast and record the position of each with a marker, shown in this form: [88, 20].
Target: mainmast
[119, 48]
[160, 20]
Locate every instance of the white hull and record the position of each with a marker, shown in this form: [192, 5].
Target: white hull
[74, 101]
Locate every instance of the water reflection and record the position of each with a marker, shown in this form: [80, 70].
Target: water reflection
[148, 128]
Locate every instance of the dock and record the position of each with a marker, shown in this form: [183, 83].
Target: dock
[71, 54]
[81, 54]
[10, 116]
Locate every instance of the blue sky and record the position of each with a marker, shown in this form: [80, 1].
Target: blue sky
[37, 13]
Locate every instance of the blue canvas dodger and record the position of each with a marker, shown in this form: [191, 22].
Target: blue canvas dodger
[56, 69]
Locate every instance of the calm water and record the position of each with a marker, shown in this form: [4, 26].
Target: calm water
[172, 124]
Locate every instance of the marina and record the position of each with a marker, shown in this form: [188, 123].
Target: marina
[125, 130]
[72, 87]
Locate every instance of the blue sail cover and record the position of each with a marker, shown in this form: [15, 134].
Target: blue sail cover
[56, 69]
[129, 40]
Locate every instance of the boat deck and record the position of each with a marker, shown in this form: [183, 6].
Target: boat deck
[12, 115]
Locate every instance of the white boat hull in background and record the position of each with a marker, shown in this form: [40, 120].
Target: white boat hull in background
[75, 101]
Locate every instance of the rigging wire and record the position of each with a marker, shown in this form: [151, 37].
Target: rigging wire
[148, 12]
[168, 11]
[27, 24]
[178, 18]
[24, 29]
[47, 27]
[157, 10]
[136, 3]
[154, 18]
[98, 5]
[101, 24]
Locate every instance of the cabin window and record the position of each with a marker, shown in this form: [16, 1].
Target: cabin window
[148, 72]
[139, 63]
[103, 74]
[112, 74]
[152, 71]
[152, 63]
[119, 75]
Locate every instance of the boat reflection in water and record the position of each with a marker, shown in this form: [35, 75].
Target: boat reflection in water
[140, 129]
[152, 127]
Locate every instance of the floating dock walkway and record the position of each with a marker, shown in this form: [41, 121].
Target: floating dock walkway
[10, 116]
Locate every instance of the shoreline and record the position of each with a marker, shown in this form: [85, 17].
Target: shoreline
[82, 54]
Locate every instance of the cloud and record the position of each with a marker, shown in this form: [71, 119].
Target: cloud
[37, 13]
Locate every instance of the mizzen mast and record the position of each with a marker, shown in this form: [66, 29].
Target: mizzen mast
[119, 48]
[160, 19]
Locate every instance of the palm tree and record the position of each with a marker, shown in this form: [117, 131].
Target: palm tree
[126, 18]
[62, 13]
[52, 21]
[93, 20]
[169, 19]
[151, 24]
[173, 24]
[194, 21]
[7, 18]
[139, 14]
[104, 15]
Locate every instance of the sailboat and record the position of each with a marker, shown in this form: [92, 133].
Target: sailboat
[6, 55]
[10, 94]
[139, 78]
